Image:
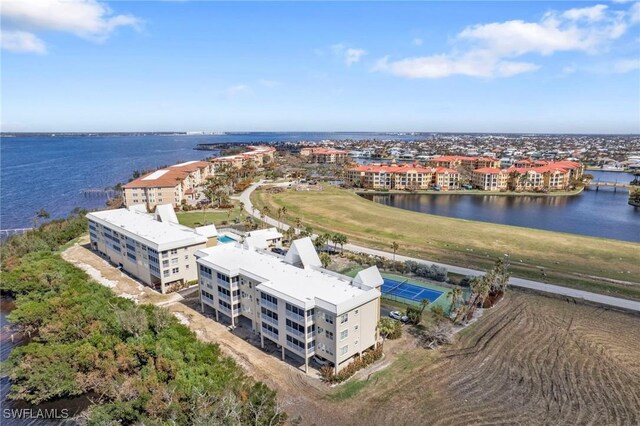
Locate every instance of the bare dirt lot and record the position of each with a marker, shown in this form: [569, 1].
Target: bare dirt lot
[529, 360]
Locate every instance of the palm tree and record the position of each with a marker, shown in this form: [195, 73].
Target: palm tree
[241, 207]
[394, 247]
[325, 259]
[40, 214]
[423, 305]
[455, 296]
[320, 241]
[298, 223]
[340, 239]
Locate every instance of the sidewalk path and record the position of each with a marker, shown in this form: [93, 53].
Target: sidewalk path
[601, 299]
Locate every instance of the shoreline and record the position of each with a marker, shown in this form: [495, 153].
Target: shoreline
[473, 192]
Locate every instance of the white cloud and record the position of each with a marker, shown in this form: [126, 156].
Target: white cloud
[593, 13]
[475, 64]
[626, 65]
[21, 41]
[488, 50]
[89, 19]
[269, 83]
[417, 41]
[634, 13]
[350, 55]
[236, 91]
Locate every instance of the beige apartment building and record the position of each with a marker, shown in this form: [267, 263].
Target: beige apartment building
[257, 156]
[159, 254]
[403, 177]
[291, 301]
[552, 176]
[324, 155]
[464, 163]
[170, 185]
[490, 179]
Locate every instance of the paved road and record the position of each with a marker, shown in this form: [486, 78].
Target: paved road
[631, 305]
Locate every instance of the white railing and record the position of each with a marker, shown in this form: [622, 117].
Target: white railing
[269, 319]
[268, 304]
[295, 347]
[270, 334]
[295, 316]
[295, 331]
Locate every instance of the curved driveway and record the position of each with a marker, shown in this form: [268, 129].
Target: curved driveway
[601, 299]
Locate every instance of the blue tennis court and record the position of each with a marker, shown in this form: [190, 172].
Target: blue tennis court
[408, 291]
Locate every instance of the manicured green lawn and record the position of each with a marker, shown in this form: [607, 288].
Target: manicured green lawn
[194, 218]
[566, 259]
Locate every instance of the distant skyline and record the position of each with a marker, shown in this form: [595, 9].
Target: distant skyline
[511, 67]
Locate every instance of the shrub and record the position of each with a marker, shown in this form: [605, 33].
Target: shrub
[390, 328]
[358, 363]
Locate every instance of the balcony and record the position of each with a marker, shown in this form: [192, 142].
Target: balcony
[295, 317]
[295, 332]
[295, 347]
[270, 334]
[267, 318]
[311, 349]
[311, 334]
[224, 309]
[224, 297]
[269, 305]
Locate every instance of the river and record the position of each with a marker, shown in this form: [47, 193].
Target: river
[602, 213]
[51, 171]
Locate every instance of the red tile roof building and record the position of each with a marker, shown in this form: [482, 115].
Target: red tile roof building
[170, 185]
[529, 175]
[401, 177]
[324, 155]
[462, 162]
[257, 156]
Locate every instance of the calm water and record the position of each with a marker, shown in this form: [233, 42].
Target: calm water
[49, 172]
[598, 214]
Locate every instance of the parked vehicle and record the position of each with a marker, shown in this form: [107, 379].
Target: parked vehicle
[320, 361]
[436, 187]
[279, 251]
[396, 315]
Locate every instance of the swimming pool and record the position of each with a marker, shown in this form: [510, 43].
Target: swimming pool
[225, 239]
[405, 290]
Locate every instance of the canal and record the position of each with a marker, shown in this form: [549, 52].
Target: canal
[604, 213]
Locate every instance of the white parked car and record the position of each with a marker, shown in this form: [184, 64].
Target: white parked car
[396, 315]
[321, 362]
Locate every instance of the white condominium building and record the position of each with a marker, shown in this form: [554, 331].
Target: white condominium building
[291, 301]
[160, 254]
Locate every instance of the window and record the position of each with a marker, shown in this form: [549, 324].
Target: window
[205, 272]
[344, 350]
[165, 273]
[328, 334]
[174, 261]
[186, 257]
[328, 318]
[344, 334]
[175, 270]
[165, 263]
[344, 318]
[174, 251]
[356, 327]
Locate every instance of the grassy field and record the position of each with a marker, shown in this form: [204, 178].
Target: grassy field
[195, 218]
[593, 264]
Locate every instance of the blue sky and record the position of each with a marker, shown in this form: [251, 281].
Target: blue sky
[421, 66]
